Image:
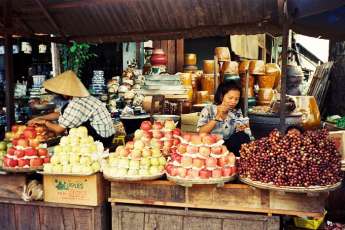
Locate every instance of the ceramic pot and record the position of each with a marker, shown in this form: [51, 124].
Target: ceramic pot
[208, 66]
[257, 67]
[158, 57]
[190, 59]
[222, 53]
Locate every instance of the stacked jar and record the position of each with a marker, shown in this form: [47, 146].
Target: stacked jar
[242, 69]
[158, 61]
[207, 81]
[190, 63]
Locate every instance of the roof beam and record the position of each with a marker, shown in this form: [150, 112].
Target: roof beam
[50, 18]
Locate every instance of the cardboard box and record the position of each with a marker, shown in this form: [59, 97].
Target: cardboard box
[339, 140]
[189, 122]
[80, 190]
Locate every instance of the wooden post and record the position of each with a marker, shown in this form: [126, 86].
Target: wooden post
[245, 109]
[284, 62]
[55, 59]
[9, 88]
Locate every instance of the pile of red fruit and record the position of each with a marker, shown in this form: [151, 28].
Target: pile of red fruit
[303, 160]
[201, 156]
[36, 134]
[158, 135]
[25, 151]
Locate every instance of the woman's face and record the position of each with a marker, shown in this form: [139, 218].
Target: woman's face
[231, 99]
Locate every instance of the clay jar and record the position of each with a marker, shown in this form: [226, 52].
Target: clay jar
[265, 96]
[257, 67]
[208, 66]
[266, 81]
[307, 105]
[158, 57]
[186, 78]
[207, 83]
[222, 53]
[230, 67]
[189, 59]
[274, 70]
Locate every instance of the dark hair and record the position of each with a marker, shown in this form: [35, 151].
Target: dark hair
[223, 89]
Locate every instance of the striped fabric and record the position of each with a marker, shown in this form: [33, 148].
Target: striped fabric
[82, 109]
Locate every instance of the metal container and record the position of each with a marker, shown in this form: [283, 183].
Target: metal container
[190, 59]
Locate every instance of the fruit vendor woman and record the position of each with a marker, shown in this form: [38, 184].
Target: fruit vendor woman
[225, 118]
[81, 110]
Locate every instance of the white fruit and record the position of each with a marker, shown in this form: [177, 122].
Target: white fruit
[133, 172]
[139, 145]
[86, 169]
[74, 159]
[55, 159]
[134, 164]
[162, 161]
[156, 152]
[154, 161]
[154, 170]
[67, 168]
[57, 149]
[48, 168]
[85, 160]
[77, 168]
[114, 162]
[145, 161]
[95, 166]
[144, 172]
[82, 131]
[122, 172]
[57, 168]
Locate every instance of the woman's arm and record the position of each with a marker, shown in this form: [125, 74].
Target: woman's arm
[56, 128]
[208, 127]
[49, 117]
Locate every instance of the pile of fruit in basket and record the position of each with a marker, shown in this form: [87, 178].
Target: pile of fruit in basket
[294, 159]
[77, 153]
[201, 156]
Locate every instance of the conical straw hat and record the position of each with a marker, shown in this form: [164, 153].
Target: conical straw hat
[68, 84]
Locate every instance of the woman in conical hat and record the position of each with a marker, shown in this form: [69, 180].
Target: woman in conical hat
[81, 110]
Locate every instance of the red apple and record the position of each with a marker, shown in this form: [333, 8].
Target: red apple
[176, 141]
[15, 141]
[211, 162]
[187, 137]
[210, 139]
[177, 158]
[156, 133]
[169, 143]
[30, 152]
[174, 171]
[19, 153]
[36, 162]
[223, 161]
[168, 168]
[29, 134]
[226, 171]
[205, 151]
[216, 173]
[130, 145]
[186, 162]
[168, 134]
[217, 150]
[46, 160]
[192, 149]
[156, 143]
[205, 174]
[23, 142]
[233, 170]
[198, 163]
[10, 151]
[157, 125]
[196, 139]
[5, 161]
[232, 159]
[182, 172]
[42, 152]
[12, 162]
[176, 132]
[194, 173]
[40, 129]
[146, 125]
[23, 162]
[147, 134]
[224, 149]
[182, 148]
[14, 128]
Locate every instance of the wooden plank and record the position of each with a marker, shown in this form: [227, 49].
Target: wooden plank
[172, 56]
[179, 55]
[161, 222]
[27, 217]
[7, 220]
[132, 221]
[196, 223]
[12, 185]
[148, 192]
[83, 219]
[49, 217]
[243, 225]
[69, 220]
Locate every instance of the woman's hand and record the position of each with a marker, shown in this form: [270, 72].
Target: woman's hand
[222, 112]
[38, 121]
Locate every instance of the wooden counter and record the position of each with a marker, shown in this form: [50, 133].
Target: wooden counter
[231, 197]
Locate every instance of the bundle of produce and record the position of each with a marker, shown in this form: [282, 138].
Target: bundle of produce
[296, 160]
[3, 150]
[201, 158]
[25, 155]
[160, 135]
[77, 153]
[36, 134]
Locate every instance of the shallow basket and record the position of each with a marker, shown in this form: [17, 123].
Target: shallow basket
[294, 189]
[132, 178]
[190, 182]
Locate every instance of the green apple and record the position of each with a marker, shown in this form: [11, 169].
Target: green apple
[155, 161]
[82, 131]
[145, 161]
[162, 160]
[67, 168]
[67, 149]
[76, 149]
[146, 152]
[85, 149]
[48, 168]
[57, 168]
[58, 149]
[64, 141]
[74, 140]
[161, 168]
[154, 170]
[133, 172]
[144, 172]
[2, 152]
[136, 153]
[93, 148]
[3, 145]
[55, 159]
[77, 168]
[113, 171]
[134, 164]
[156, 152]
[74, 158]
[85, 160]
[95, 166]
[64, 159]
[9, 145]
[73, 132]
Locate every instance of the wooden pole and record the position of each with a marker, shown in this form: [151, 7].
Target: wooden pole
[9, 88]
[284, 63]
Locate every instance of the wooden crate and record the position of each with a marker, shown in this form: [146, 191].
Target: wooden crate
[80, 190]
[144, 217]
[11, 185]
[20, 215]
[231, 197]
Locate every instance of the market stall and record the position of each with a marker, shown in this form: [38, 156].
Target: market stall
[198, 167]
